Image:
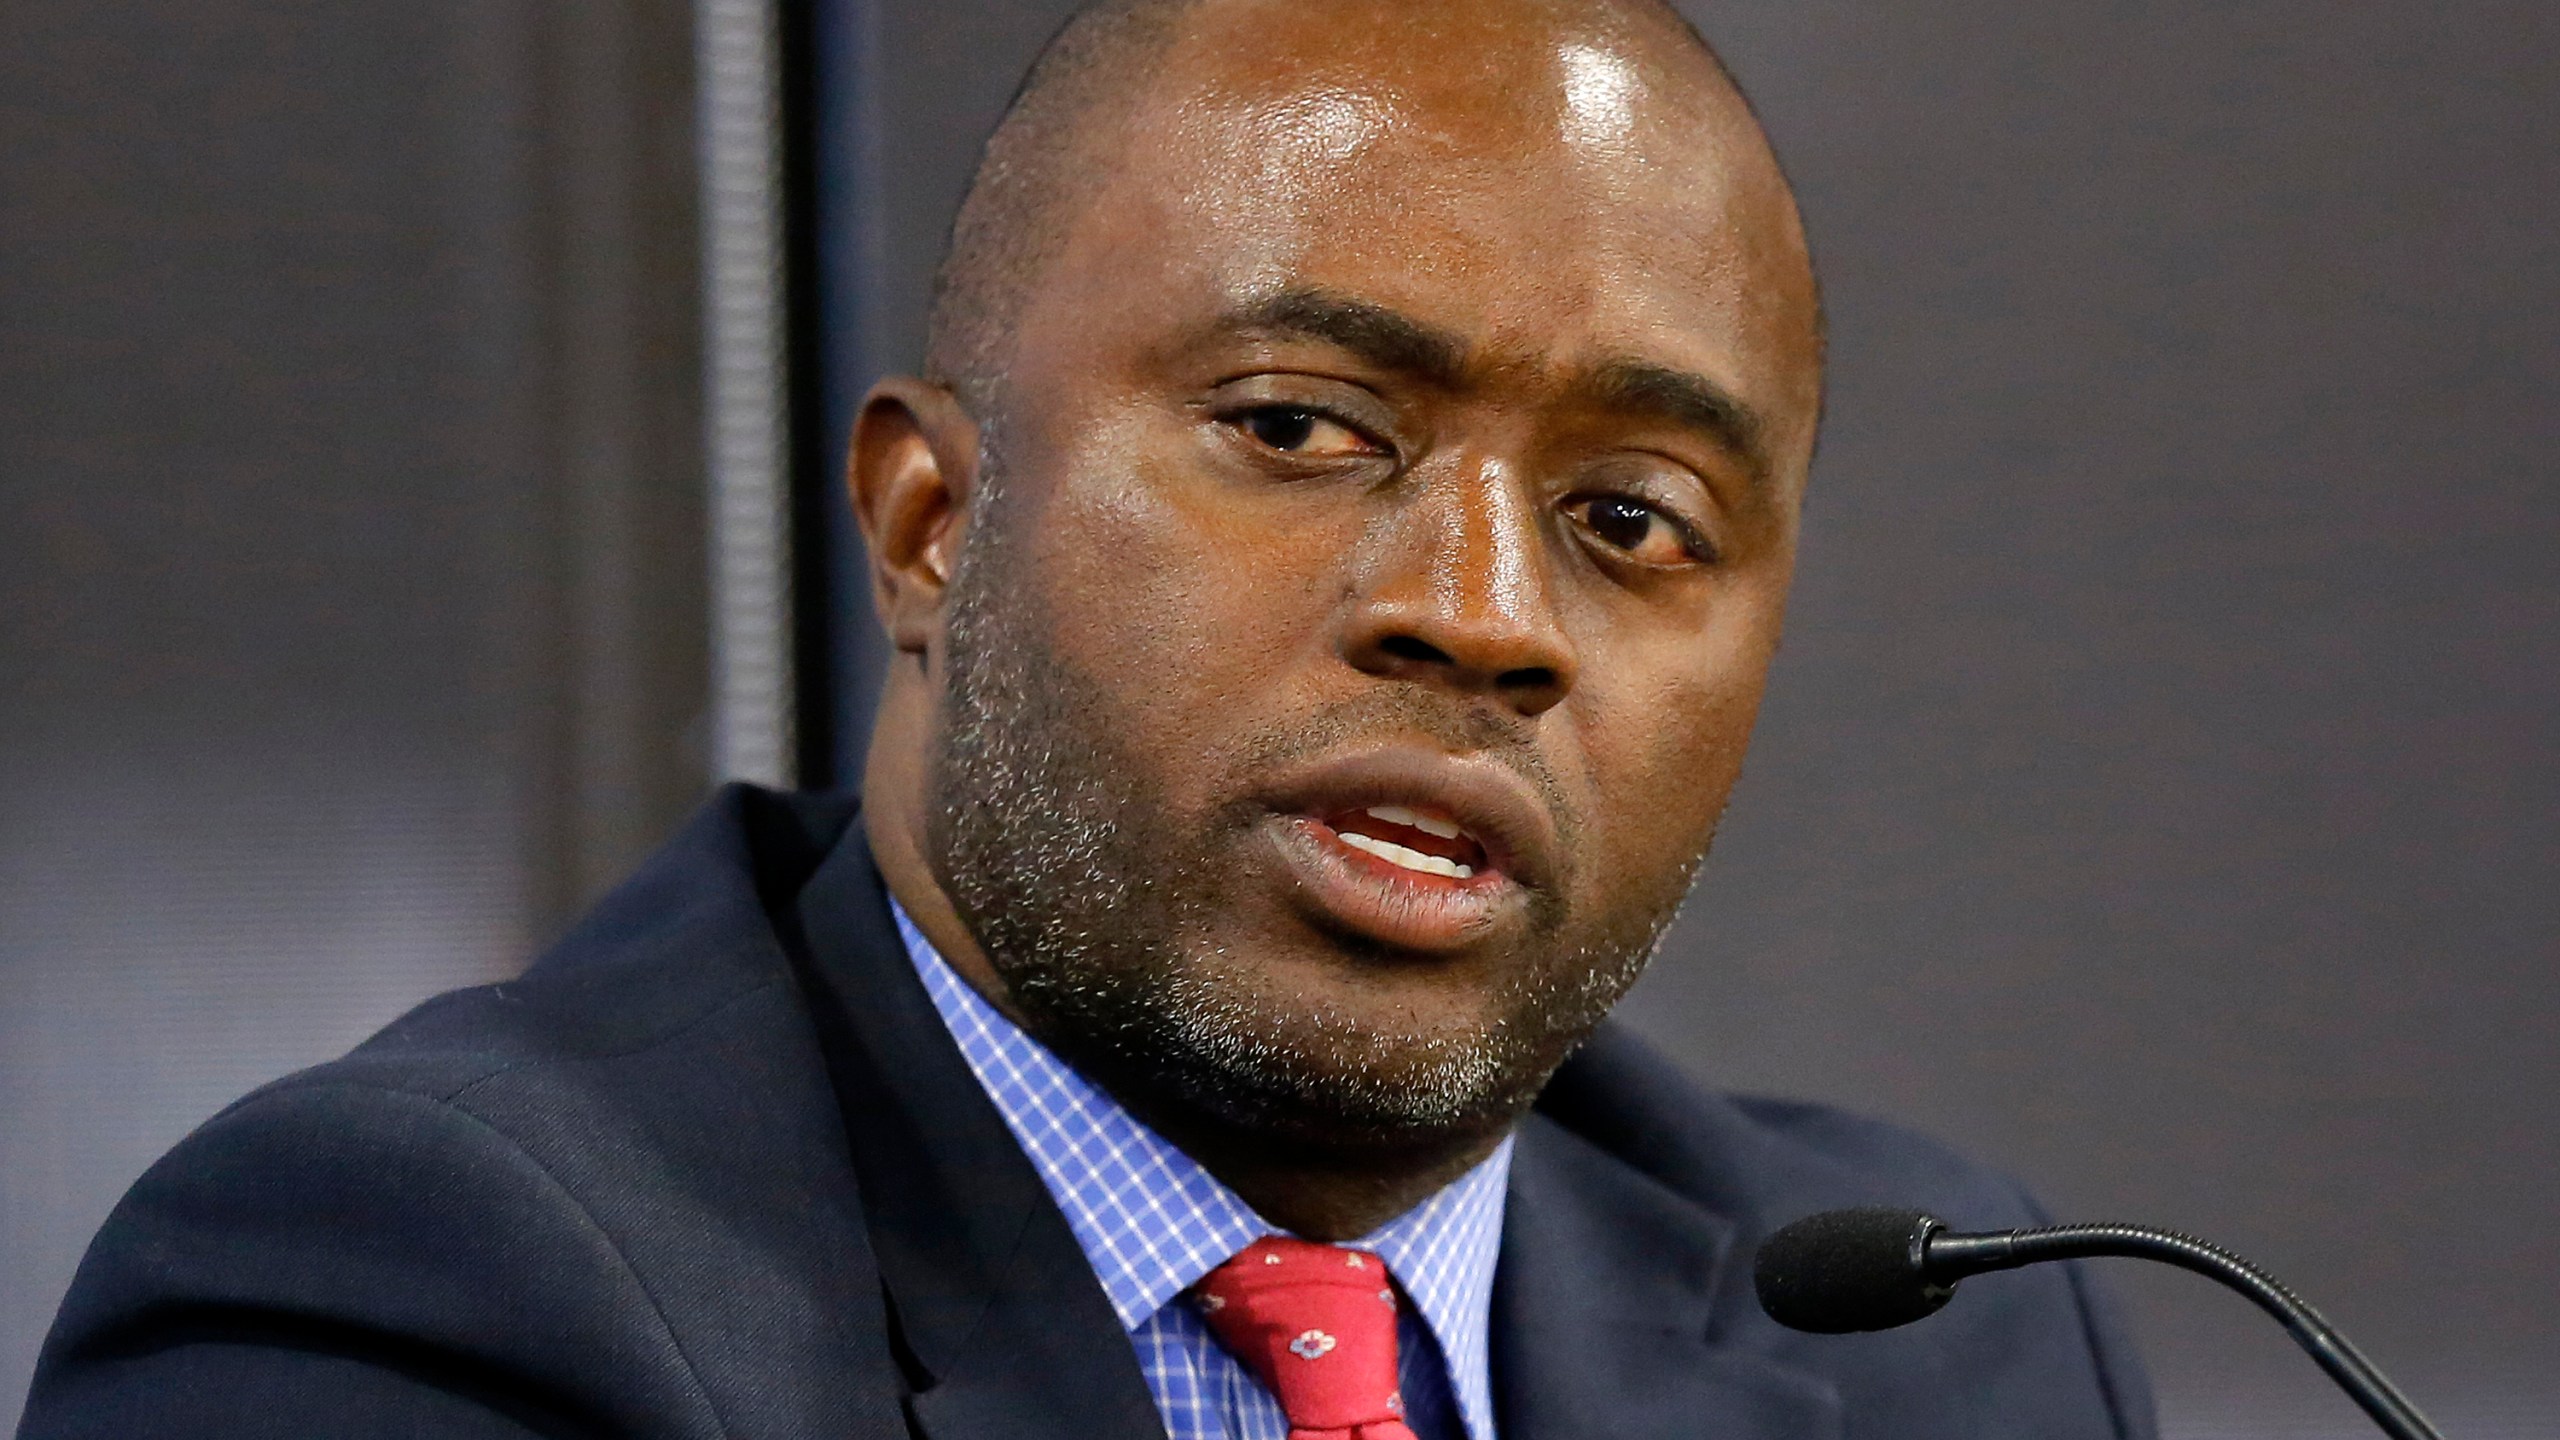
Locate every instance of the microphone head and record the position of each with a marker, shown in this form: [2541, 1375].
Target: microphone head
[1844, 1271]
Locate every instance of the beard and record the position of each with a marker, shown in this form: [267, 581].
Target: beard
[1110, 916]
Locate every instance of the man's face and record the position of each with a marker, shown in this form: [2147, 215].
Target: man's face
[1383, 543]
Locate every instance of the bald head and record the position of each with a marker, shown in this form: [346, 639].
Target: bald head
[1071, 117]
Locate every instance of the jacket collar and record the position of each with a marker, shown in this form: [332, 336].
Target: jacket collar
[1001, 1326]
[1605, 1305]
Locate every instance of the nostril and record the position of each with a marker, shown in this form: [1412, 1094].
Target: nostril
[1532, 677]
[1409, 647]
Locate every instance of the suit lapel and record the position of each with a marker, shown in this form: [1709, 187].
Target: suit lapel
[1003, 1330]
[1602, 1308]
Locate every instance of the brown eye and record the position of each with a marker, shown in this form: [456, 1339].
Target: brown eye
[1632, 526]
[1298, 431]
[1280, 429]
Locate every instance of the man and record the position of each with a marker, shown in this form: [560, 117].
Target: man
[1333, 567]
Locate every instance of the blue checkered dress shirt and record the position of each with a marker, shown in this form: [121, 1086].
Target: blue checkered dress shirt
[1153, 1223]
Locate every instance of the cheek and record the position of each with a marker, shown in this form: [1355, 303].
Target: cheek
[1179, 595]
[1664, 734]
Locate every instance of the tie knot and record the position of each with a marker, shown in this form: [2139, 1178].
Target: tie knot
[1316, 1324]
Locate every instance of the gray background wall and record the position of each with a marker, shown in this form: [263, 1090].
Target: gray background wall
[2162, 790]
[350, 555]
[2157, 792]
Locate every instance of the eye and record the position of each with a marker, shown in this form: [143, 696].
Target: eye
[1296, 430]
[1643, 533]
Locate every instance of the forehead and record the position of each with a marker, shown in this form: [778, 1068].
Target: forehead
[1548, 192]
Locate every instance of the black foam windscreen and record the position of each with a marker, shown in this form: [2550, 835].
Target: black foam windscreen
[1848, 1270]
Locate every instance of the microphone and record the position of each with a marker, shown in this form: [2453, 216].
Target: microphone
[1845, 1271]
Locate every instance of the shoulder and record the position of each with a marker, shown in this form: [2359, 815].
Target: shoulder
[688, 937]
[545, 1194]
[632, 1047]
[1759, 1160]
[2043, 1351]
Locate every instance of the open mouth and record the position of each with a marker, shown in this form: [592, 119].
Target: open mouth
[1410, 839]
[1409, 847]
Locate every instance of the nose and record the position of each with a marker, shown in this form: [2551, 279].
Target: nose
[1453, 590]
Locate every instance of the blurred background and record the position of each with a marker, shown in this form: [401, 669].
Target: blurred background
[2159, 795]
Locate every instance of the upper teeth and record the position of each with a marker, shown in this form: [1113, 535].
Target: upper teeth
[1398, 815]
[1395, 854]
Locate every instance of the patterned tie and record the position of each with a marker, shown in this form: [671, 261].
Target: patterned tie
[1316, 1324]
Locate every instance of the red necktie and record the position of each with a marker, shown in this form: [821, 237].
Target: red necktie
[1316, 1324]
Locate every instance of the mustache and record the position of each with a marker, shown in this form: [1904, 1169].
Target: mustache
[1409, 712]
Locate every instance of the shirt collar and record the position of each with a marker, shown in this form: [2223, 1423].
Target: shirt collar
[1152, 1222]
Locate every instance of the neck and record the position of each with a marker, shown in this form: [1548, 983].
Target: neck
[1322, 1191]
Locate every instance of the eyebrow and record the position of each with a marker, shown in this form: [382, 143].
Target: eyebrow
[1691, 401]
[1374, 333]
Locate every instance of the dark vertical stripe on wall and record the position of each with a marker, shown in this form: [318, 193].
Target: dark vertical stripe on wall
[819, 521]
[835, 109]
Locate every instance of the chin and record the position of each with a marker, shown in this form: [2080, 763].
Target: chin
[1356, 1057]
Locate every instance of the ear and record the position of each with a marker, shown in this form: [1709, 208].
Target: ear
[912, 470]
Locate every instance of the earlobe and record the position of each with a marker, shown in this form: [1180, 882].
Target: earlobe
[911, 470]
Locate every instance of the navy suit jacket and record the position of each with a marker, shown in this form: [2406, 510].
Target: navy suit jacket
[714, 1167]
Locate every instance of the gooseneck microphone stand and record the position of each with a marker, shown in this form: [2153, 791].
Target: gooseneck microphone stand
[1872, 1269]
[1959, 1255]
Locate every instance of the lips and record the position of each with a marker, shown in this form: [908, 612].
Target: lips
[1411, 848]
